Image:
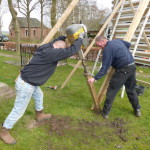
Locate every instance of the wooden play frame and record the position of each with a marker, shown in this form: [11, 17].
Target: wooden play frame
[135, 22]
[97, 98]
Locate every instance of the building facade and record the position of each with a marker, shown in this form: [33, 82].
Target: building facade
[35, 28]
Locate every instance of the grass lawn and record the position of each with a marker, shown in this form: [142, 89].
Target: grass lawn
[73, 125]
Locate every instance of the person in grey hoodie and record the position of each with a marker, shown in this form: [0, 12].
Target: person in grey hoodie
[116, 54]
[39, 69]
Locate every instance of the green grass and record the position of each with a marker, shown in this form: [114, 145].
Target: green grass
[87, 130]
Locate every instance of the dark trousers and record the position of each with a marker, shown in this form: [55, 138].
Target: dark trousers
[124, 76]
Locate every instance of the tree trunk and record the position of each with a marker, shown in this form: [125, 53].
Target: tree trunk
[53, 13]
[0, 19]
[15, 25]
[29, 27]
[28, 20]
[41, 3]
[0, 26]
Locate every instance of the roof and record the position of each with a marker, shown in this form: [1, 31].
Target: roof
[92, 24]
[95, 24]
[34, 23]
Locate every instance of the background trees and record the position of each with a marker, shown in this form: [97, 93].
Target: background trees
[1, 15]
[44, 4]
[49, 11]
[83, 12]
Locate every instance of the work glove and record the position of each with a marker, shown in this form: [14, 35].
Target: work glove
[82, 35]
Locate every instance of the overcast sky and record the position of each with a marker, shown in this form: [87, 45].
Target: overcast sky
[7, 17]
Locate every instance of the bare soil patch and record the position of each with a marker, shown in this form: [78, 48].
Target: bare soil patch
[65, 125]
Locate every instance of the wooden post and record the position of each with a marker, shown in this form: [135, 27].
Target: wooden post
[104, 86]
[137, 18]
[87, 76]
[144, 82]
[60, 21]
[92, 43]
[93, 94]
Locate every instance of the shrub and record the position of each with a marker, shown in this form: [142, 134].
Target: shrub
[10, 46]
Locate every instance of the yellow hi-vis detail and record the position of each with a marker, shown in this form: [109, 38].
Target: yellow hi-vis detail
[73, 37]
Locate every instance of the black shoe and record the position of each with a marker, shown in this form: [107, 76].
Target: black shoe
[137, 113]
[104, 115]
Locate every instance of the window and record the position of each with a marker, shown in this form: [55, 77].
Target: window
[34, 32]
[26, 32]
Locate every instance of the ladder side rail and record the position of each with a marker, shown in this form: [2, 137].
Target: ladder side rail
[137, 42]
[117, 20]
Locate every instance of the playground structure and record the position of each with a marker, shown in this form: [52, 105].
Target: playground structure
[130, 23]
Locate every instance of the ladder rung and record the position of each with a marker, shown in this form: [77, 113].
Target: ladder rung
[141, 53]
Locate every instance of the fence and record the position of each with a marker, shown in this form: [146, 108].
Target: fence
[26, 52]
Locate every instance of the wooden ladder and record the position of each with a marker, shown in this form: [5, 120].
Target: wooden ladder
[132, 29]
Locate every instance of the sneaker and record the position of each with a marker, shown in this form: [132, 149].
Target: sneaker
[137, 113]
[104, 116]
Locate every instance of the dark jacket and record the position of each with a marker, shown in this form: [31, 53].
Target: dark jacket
[116, 54]
[44, 61]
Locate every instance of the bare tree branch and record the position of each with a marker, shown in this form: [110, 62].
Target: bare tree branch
[43, 4]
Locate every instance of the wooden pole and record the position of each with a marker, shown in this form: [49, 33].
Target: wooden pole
[136, 20]
[144, 82]
[93, 94]
[104, 86]
[92, 43]
[60, 21]
[91, 86]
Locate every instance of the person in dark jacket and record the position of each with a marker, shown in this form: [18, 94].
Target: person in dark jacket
[39, 69]
[116, 54]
